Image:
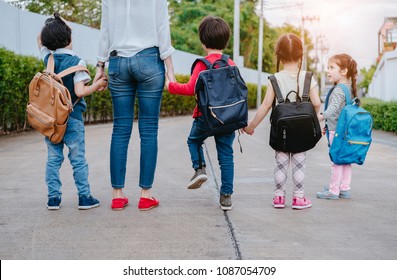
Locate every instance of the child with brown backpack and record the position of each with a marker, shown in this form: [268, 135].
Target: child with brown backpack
[55, 43]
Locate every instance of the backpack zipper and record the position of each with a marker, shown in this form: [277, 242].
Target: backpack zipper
[39, 119]
[353, 142]
[223, 106]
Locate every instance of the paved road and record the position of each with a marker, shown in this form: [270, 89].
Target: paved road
[189, 224]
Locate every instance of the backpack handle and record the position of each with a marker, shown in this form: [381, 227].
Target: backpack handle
[306, 89]
[297, 97]
[223, 60]
[211, 67]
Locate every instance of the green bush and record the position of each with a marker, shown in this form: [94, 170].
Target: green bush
[15, 74]
[383, 113]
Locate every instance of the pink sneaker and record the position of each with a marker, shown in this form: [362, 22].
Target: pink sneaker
[301, 203]
[279, 202]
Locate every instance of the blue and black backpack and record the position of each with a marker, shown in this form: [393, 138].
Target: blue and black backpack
[221, 95]
[353, 132]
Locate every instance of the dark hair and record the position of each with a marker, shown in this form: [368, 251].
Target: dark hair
[345, 61]
[56, 33]
[214, 32]
[289, 49]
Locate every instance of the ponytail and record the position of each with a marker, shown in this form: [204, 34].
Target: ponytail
[352, 73]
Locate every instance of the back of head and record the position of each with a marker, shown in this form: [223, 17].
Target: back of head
[56, 33]
[288, 49]
[214, 32]
[345, 61]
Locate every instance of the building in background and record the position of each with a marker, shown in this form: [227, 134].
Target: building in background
[384, 81]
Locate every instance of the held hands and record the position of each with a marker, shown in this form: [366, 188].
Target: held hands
[248, 129]
[320, 117]
[100, 76]
[102, 83]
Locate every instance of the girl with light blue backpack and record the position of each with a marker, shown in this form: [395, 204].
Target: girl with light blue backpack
[342, 72]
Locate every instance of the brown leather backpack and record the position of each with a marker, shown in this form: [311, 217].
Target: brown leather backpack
[50, 102]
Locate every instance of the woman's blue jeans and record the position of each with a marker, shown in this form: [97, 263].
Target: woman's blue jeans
[141, 76]
[224, 148]
[74, 139]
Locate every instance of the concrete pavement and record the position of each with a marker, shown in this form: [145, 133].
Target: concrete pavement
[189, 224]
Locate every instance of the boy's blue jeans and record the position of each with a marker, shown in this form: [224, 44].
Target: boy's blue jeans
[141, 76]
[74, 139]
[224, 148]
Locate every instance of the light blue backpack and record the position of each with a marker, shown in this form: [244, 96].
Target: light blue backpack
[353, 132]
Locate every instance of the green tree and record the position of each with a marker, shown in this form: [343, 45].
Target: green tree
[185, 16]
[367, 75]
[87, 12]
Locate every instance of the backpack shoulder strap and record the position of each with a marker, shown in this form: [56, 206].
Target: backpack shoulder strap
[306, 87]
[73, 69]
[346, 92]
[203, 60]
[50, 64]
[225, 58]
[327, 98]
[276, 89]
[70, 70]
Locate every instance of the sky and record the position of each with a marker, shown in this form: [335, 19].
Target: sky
[348, 26]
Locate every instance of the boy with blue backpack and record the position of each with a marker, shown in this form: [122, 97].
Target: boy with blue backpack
[214, 34]
[348, 127]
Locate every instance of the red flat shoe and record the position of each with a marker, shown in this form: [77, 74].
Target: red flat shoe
[119, 203]
[147, 203]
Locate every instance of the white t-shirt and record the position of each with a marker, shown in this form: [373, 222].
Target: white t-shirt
[132, 26]
[287, 81]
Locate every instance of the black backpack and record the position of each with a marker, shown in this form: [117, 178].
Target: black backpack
[221, 95]
[294, 125]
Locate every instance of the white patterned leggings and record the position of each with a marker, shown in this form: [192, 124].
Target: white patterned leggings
[283, 161]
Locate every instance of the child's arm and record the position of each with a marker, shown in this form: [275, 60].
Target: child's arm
[262, 110]
[82, 90]
[187, 88]
[315, 98]
[336, 101]
[170, 69]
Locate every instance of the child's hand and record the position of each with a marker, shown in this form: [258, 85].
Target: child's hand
[248, 129]
[102, 83]
[320, 117]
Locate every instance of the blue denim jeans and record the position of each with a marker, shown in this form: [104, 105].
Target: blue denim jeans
[74, 139]
[141, 76]
[224, 148]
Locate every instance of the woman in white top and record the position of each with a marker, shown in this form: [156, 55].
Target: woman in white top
[135, 39]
